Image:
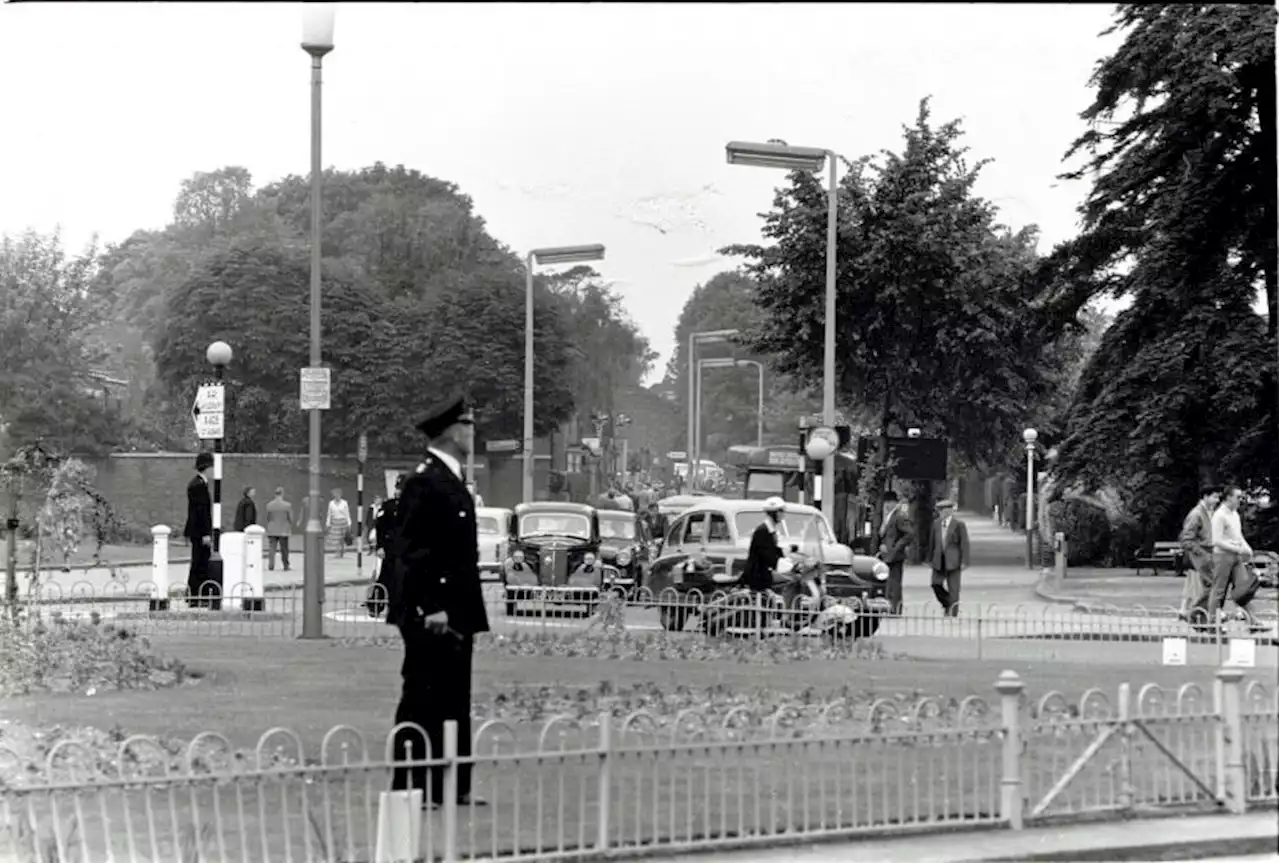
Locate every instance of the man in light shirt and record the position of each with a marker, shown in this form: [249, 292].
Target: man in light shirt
[1232, 556]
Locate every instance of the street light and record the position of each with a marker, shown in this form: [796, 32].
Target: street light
[542, 257]
[317, 40]
[706, 337]
[728, 364]
[787, 158]
[1029, 437]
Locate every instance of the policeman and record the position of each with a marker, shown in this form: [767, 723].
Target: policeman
[383, 533]
[765, 552]
[436, 600]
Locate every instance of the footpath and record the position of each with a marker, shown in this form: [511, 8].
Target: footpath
[1198, 837]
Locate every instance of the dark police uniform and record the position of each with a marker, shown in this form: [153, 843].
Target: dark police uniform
[437, 568]
[762, 558]
[384, 531]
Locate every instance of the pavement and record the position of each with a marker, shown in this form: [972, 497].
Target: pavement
[1164, 838]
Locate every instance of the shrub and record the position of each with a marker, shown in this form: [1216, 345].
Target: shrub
[1126, 539]
[1259, 526]
[1087, 529]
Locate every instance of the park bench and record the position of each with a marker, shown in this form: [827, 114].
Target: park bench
[1163, 556]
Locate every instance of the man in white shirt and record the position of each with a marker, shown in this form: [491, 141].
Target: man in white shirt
[1232, 556]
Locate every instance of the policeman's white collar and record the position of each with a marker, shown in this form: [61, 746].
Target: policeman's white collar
[448, 461]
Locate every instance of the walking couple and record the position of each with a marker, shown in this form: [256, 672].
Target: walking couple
[1215, 547]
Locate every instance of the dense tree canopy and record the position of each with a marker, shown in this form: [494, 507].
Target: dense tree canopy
[1181, 220]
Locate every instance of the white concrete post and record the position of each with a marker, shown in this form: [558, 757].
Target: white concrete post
[1010, 687]
[232, 545]
[160, 568]
[254, 595]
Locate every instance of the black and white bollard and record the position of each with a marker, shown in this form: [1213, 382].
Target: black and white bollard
[159, 568]
[362, 453]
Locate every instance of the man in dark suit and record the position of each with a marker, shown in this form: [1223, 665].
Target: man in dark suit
[384, 532]
[896, 536]
[435, 599]
[948, 556]
[199, 527]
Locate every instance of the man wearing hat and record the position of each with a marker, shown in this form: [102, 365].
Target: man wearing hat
[199, 526]
[948, 556]
[435, 599]
[896, 535]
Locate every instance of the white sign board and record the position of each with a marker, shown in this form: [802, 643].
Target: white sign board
[592, 444]
[362, 448]
[313, 389]
[1241, 653]
[207, 412]
[501, 445]
[678, 455]
[1174, 651]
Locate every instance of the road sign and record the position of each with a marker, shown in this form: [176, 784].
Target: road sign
[362, 447]
[1173, 651]
[313, 389]
[207, 411]
[678, 455]
[502, 446]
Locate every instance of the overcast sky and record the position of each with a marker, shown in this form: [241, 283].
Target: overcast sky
[566, 123]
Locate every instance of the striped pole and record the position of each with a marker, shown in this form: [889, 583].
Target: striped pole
[217, 476]
[362, 453]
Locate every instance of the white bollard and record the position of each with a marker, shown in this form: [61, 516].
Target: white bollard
[399, 826]
[253, 597]
[160, 567]
[232, 548]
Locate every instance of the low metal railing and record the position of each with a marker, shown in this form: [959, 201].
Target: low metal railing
[638, 782]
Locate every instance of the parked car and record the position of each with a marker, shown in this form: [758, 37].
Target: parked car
[491, 537]
[719, 531]
[555, 558]
[625, 544]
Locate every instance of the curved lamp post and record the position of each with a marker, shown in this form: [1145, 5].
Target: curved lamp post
[317, 40]
[787, 158]
[1029, 438]
[547, 256]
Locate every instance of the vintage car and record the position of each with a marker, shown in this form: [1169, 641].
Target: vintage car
[625, 544]
[491, 538]
[718, 531]
[554, 559]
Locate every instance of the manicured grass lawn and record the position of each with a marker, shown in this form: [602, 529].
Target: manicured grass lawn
[540, 801]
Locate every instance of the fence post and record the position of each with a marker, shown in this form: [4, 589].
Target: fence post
[1231, 735]
[605, 781]
[1123, 718]
[1010, 687]
[160, 567]
[449, 806]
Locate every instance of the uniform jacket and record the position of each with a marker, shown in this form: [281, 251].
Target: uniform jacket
[1196, 536]
[762, 558]
[948, 553]
[899, 533]
[199, 510]
[437, 562]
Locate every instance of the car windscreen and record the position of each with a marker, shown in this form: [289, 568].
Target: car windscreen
[488, 525]
[800, 527]
[614, 527]
[556, 524]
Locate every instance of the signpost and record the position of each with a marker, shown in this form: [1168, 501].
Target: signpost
[313, 389]
[362, 455]
[207, 412]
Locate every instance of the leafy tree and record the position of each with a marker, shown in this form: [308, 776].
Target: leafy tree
[935, 322]
[1182, 220]
[208, 202]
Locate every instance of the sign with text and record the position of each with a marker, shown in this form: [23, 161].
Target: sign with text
[207, 411]
[678, 455]
[313, 389]
[1173, 651]
[1241, 653]
[502, 446]
[362, 447]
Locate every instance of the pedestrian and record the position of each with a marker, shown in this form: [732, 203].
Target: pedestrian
[436, 601]
[948, 555]
[1196, 538]
[381, 537]
[896, 535]
[337, 522]
[279, 529]
[1232, 558]
[246, 510]
[199, 527]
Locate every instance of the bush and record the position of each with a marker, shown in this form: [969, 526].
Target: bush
[1260, 528]
[1126, 539]
[1087, 529]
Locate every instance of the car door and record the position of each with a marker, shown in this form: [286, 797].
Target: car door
[719, 547]
[673, 552]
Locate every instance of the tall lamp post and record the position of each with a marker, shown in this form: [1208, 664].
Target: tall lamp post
[727, 363]
[1029, 438]
[789, 158]
[542, 257]
[706, 337]
[317, 40]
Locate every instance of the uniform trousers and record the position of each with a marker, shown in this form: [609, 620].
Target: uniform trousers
[437, 687]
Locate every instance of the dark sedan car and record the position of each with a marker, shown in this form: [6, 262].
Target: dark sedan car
[555, 559]
[624, 543]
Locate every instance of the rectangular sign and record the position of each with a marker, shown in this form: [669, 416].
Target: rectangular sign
[1173, 651]
[362, 447]
[313, 389]
[786, 459]
[207, 411]
[1241, 653]
[678, 455]
[502, 446]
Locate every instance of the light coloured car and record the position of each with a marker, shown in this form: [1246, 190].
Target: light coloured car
[492, 540]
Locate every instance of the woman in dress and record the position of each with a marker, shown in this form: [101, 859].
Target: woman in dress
[337, 524]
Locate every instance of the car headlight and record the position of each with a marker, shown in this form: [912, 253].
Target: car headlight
[880, 570]
[518, 556]
[589, 559]
[624, 558]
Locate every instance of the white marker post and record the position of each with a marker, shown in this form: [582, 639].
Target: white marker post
[1174, 651]
[160, 567]
[233, 557]
[1241, 653]
[253, 595]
